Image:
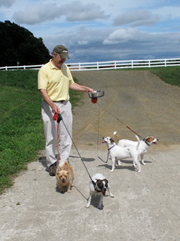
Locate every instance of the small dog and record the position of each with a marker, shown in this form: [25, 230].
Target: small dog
[117, 153]
[98, 186]
[143, 147]
[65, 177]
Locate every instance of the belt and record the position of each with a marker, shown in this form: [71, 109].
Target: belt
[60, 101]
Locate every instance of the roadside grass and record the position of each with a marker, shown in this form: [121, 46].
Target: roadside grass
[21, 129]
[170, 75]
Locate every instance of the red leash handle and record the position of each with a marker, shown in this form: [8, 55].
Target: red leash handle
[55, 118]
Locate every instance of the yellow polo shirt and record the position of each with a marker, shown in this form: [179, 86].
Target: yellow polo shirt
[55, 81]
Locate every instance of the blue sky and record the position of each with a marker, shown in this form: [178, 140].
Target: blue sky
[101, 30]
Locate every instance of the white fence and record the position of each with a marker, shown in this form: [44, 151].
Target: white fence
[122, 64]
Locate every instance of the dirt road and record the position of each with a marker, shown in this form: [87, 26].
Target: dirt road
[146, 205]
[137, 99]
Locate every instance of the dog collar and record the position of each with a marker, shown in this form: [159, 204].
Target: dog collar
[147, 143]
[111, 147]
[97, 190]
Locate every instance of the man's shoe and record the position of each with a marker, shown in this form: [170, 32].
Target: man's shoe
[52, 169]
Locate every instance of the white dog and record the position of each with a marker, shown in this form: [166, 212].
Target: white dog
[98, 186]
[117, 153]
[143, 146]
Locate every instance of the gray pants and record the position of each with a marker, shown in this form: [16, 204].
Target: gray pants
[50, 132]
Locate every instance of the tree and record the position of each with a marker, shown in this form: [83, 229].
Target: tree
[19, 46]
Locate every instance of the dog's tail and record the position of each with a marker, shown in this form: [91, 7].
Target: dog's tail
[115, 134]
[137, 137]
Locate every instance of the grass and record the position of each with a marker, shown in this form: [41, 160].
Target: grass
[170, 75]
[21, 129]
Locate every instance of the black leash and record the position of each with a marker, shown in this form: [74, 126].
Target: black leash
[61, 119]
[103, 160]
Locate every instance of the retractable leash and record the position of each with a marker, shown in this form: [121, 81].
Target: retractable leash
[58, 118]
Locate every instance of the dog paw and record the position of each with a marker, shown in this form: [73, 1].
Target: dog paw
[100, 207]
[112, 195]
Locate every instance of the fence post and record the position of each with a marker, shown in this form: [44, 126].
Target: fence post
[165, 63]
[149, 63]
[97, 65]
[115, 64]
[132, 66]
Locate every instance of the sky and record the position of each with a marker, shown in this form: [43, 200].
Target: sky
[101, 30]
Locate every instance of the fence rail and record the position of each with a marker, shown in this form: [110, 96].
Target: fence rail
[121, 64]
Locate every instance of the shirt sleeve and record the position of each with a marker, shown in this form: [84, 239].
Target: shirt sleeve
[42, 79]
[71, 81]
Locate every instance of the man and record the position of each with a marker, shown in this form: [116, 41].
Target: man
[54, 82]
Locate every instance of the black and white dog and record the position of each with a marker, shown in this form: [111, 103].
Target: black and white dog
[98, 186]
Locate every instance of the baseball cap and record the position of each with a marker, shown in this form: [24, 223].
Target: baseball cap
[62, 51]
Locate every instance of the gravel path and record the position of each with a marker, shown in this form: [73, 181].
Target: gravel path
[145, 207]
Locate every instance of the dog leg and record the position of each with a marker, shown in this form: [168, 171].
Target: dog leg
[69, 188]
[142, 159]
[61, 188]
[100, 205]
[109, 190]
[113, 164]
[137, 164]
[119, 162]
[89, 201]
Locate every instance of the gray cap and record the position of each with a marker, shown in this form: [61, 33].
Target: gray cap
[62, 51]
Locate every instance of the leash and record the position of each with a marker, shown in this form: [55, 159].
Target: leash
[121, 122]
[107, 155]
[58, 118]
[55, 118]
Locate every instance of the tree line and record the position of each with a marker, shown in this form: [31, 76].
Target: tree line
[20, 47]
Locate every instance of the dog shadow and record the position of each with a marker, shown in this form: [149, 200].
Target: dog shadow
[95, 201]
[85, 159]
[59, 191]
[119, 167]
[42, 160]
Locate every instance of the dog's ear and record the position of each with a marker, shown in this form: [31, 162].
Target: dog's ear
[106, 181]
[65, 166]
[93, 183]
[112, 141]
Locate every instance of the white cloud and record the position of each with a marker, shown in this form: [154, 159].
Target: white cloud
[76, 11]
[37, 14]
[6, 3]
[137, 18]
[120, 35]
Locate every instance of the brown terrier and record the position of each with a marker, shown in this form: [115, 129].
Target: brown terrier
[65, 177]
